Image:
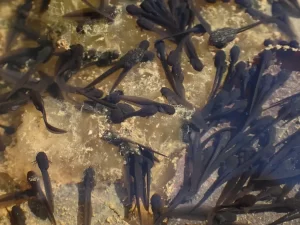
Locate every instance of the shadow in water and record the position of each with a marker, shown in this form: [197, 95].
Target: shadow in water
[80, 212]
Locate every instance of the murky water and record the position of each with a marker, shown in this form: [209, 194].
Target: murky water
[81, 146]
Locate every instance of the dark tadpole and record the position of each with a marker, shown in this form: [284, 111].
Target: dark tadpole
[120, 113]
[43, 163]
[126, 62]
[234, 56]
[43, 55]
[163, 108]
[221, 37]
[174, 99]
[16, 198]
[157, 206]
[161, 54]
[17, 216]
[39, 105]
[198, 29]
[220, 65]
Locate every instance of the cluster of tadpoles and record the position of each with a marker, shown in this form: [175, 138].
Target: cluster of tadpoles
[246, 154]
[40, 203]
[244, 151]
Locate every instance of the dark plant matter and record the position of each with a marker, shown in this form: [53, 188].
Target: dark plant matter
[234, 152]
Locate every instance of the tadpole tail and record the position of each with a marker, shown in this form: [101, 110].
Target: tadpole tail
[51, 128]
[100, 101]
[215, 84]
[48, 188]
[103, 4]
[119, 79]
[201, 19]
[22, 81]
[288, 217]
[103, 76]
[236, 189]
[147, 196]
[192, 55]
[287, 188]
[242, 29]
[162, 56]
[226, 190]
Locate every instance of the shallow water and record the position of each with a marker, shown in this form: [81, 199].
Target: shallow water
[81, 146]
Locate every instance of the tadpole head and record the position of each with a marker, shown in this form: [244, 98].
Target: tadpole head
[42, 160]
[159, 44]
[156, 202]
[145, 24]
[144, 44]
[96, 93]
[268, 42]
[234, 54]
[165, 91]
[134, 10]
[148, 56]
[17, 211]
[283, 42]
[241, 66]
[45, 53]
[113, 55]
[196, 64]
[114, 97]
[199, 29]
[168, 109]
[116, 116]
[32, 177]
[221, 37]
[220, 58]
[148, 110]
